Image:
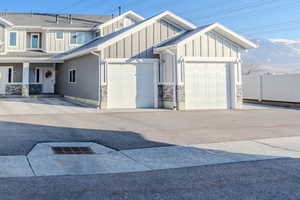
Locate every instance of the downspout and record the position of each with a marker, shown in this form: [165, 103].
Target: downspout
[99, 79]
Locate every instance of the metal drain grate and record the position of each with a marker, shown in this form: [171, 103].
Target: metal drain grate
[72, 150]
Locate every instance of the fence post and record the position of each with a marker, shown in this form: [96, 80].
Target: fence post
[260, 88]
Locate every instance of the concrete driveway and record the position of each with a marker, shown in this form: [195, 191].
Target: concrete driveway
[28, 106]
[132, 130]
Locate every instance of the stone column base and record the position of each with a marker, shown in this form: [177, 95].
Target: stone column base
[25, 90]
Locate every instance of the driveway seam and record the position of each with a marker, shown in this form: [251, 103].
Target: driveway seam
[274, 146]
[33, 172]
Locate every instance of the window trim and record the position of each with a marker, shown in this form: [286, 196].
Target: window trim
[35, 75]
[57, 37]
[69, 75]
[31, 36]
[12, 74]
[78, 44]
[9, 42]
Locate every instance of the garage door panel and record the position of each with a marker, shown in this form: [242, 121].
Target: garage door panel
[130, 85]
[206, 85]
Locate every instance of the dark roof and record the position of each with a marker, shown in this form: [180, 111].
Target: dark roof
[49, 20]
[96, 41]
[27, 54]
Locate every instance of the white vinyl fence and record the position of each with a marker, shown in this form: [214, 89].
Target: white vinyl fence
[284, 88]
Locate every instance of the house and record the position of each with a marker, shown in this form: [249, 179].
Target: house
[126, 61]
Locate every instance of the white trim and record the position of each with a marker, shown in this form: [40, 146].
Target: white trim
[69, 70]
[115, 19]
[31, 36]
[16, 39]
[35, 74]
[6, 21]
[236, 38]
[62, 35]
[132, 60]
[185, 24]
[189, 26]
[12, 74]
[210, 59]
[155, 83]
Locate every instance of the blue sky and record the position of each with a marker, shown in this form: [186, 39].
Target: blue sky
[255, 18]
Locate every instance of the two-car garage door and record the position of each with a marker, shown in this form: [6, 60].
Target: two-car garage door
[131, 85]
[207, 85]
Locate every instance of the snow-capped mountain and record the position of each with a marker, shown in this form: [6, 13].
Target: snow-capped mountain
[275, 56]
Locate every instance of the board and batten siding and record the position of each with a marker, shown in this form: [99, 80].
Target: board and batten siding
[59, 45]
[122, 23]
[211, 44]
[86, 86]
[140, 44]
[21, 40]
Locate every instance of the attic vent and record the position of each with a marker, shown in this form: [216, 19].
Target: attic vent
[72, 150]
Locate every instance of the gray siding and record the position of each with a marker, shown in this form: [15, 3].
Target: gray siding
[140, 44]
[86, 85]
[210, 44]
[17, 70]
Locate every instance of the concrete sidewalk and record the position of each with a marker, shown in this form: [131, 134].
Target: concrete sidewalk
[43, 162]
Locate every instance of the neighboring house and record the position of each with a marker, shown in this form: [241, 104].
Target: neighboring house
[29, 40]
[163, 61]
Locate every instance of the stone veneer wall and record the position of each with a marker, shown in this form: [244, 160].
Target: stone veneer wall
[103, 94]
[14, 89]
[239, 96]
[180, 92]
[165, 96]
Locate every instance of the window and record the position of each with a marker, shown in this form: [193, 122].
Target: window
[59, 35]
[13, 38]
[37, 75]
[35, 41]
[10, 73]
[72, 76]
[79, 37]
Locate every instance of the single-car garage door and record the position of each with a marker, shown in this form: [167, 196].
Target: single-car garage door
[131, 85]
[207, 85]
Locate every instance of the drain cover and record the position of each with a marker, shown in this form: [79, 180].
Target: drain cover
[72, 150]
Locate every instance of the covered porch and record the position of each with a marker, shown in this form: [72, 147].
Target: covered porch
[25, 79]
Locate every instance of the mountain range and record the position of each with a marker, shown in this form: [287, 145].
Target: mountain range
[273, 56]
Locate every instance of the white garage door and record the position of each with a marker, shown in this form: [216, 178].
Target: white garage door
[130, 85]
[207, 85]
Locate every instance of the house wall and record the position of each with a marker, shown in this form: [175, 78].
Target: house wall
[86, 86]
[210, 44]
[2, 38]
[54, 45]
[140, 44]
[17, 70]
[21, 40]
[122, 23]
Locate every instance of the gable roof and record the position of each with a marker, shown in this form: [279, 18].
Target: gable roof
[49, 20]
[190, 35]
[102, 42]
[129, 13]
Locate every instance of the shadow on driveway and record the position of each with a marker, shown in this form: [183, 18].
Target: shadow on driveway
[20, 138]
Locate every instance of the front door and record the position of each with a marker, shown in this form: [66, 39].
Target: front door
[3, 79]
[48, 80]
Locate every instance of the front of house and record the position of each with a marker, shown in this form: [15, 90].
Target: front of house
[124, 62]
